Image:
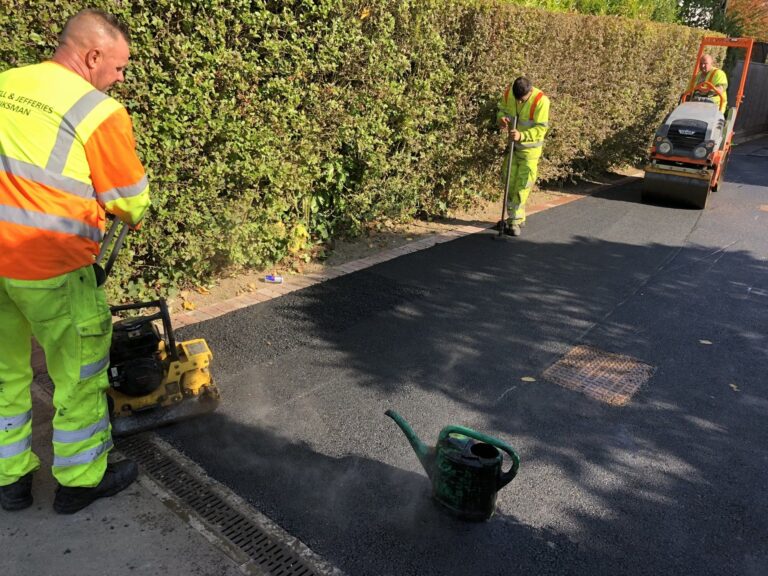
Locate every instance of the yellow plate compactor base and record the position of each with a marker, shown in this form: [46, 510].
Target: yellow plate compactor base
[153, 379]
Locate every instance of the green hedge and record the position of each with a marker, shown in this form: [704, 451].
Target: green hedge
[270, 125]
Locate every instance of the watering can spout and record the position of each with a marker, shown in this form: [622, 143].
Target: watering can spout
[424, 453]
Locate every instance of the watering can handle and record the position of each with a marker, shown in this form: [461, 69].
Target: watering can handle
[507, 476]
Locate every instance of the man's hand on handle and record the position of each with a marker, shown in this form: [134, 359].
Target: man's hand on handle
[504, 122]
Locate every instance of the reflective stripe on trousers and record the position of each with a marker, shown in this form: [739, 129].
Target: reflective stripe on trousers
[16, 456]
[15, 435]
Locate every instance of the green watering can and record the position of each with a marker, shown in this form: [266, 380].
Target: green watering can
[465, 468]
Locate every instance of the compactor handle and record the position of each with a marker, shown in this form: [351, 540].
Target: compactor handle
[507, 476]
[163, 315]
[123, 232]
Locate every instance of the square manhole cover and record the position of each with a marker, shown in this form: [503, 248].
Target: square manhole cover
[604, 376]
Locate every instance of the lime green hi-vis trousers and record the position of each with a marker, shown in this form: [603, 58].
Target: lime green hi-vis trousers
[68, 315]
[521, 181]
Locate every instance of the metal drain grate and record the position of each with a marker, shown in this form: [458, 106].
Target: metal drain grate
[269, 554]
[607, 377]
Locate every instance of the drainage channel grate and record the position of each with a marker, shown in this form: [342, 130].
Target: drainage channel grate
[604, 376]
[271, 556]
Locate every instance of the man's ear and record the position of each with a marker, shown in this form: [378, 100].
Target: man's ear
[93, 58]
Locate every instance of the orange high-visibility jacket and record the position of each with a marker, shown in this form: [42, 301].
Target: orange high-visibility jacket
[67, 154]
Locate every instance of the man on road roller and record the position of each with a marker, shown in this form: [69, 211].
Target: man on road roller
[711, 82]
[691, 147]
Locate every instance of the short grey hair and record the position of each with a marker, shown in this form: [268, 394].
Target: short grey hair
[111, 24]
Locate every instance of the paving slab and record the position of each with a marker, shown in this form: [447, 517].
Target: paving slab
[132, 533]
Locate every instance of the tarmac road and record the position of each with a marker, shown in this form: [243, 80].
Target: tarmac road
[675, 482]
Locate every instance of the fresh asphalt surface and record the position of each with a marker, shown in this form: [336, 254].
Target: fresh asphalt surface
[676, 482]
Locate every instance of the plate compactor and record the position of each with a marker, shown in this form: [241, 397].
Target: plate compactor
[154, 380]
[690, 150]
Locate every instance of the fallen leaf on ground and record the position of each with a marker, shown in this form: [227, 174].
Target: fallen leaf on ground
[734, 387]
[202, 290]
[187, 305]
[707, 342]
[528, 379]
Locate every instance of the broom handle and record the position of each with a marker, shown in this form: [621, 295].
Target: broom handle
[511, 146]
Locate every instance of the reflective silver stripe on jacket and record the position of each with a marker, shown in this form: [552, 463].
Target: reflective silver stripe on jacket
[530, 124]
[124, 191]
[10, 450]
[527, 145]
[46, 178]
[48, 222]
[93, 368]
[70, 436]
[14, 422]
[67, 134]
[84, 457]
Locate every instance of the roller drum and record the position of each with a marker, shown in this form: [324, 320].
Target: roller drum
[674, 189]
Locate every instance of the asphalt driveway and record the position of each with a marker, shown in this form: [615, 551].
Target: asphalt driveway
[675, 482]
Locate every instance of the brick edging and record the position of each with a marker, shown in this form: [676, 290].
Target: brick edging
[293, 283]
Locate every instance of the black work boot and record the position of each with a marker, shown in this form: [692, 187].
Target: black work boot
[118, 477]
[18, 495]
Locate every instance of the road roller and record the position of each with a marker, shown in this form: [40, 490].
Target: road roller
[690, 149]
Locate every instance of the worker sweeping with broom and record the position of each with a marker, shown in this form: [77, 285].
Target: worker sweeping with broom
[530, 107]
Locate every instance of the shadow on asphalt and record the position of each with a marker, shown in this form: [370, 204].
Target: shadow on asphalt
[743, 168]
[674, 483]
[746, 168]
[627, 193]
[631, 193]
[379, 509]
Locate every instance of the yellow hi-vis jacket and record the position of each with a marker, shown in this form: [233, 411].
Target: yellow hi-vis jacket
[67, 154]
[532, 121]
[717, 78]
